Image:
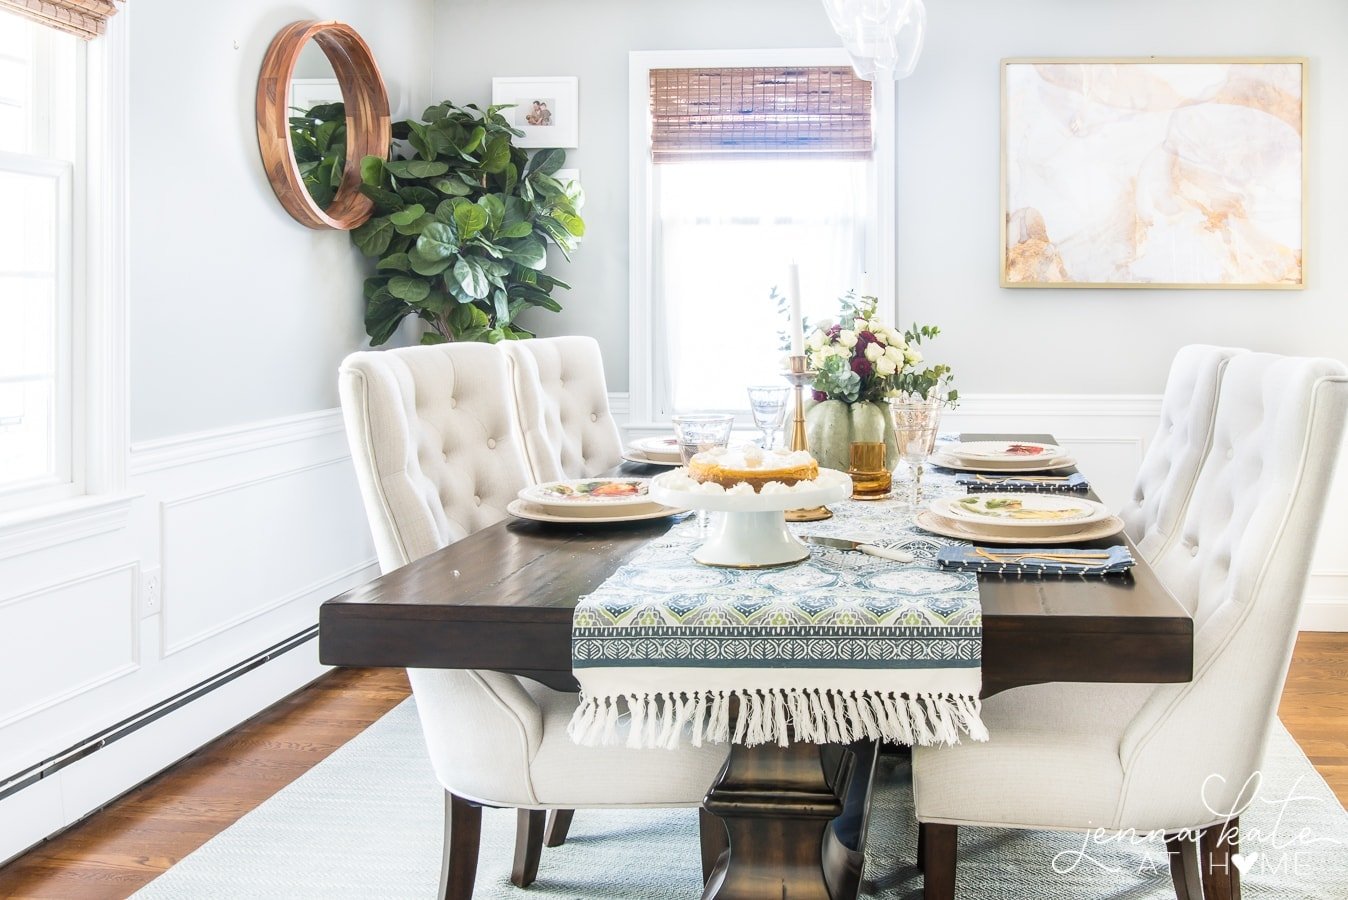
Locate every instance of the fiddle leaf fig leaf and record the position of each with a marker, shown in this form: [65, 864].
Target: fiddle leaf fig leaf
[547, 161]
[405, 287]
[497, 155]
[373, 237]
[470, 219]
[528, 252]
[469, 275]
[408, 215]
[398, 262]
[415, 168]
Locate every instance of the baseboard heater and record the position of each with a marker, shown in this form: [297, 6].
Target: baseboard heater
[130, 725]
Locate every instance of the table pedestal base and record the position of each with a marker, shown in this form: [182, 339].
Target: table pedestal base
[778, 805]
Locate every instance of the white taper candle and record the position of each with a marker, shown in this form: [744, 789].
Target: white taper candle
[797, 325]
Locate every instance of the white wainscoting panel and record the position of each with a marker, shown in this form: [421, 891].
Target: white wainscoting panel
[250, 529]
[86, 631]
[298, 540]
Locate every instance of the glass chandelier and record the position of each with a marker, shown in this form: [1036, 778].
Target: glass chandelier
[883, 37]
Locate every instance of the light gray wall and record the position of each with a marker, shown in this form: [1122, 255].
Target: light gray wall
[238, 312]
[948, 152]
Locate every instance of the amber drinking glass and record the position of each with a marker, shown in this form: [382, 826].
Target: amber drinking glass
[871, 479]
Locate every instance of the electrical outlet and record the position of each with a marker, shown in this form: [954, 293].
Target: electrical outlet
[151, 598]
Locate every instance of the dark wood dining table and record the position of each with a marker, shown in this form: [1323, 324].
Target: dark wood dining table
[501, 599]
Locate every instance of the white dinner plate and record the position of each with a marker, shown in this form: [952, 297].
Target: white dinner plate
[524, 510]
[1022, 510]
[631, 454]
[564, 497]
[659, 449]
[1104, 528]
[946, 461]
[1014, 452]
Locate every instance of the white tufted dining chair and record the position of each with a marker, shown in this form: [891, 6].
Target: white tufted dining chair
[438, 455]
[1172, 757]
[1165, 480]
[562, 398]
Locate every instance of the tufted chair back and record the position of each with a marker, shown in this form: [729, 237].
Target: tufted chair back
[562, 399]
[438, 455]
[1165, 479]
[1238, 563]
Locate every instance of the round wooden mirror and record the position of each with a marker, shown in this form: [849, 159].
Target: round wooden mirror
[367, 123]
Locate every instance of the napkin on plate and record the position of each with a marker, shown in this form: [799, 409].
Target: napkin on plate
[966, 558]
[1076, 482]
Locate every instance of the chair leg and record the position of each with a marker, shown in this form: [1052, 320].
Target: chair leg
[1184, 866]
[921, 844]
[559, 823]
[528, 845]
[714, 840]
[939, 843]
[463, 834]
[1221, 878]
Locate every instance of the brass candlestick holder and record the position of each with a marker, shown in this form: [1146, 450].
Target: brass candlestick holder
[798, 376]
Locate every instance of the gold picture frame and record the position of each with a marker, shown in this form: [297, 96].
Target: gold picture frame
[1257, 98]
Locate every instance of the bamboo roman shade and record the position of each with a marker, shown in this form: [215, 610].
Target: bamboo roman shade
[767, 112]
[83, 18]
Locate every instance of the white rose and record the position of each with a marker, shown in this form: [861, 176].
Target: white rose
[885, 366]
[816, 340]
[874, 352]
[848, 339]
[913, 356]
[895, 353]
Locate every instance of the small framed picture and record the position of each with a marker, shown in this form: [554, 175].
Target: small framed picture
[545, 109]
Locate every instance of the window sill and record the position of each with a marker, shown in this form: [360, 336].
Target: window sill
[37, 528]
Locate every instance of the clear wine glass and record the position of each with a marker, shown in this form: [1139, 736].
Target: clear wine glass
[917, 421]
[767, 402]
[697, 433]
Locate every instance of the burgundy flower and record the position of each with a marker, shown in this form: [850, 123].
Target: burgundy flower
[819, 396]
[865, 338]
[862, 366]
[835, 331]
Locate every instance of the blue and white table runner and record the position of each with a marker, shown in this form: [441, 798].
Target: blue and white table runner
[841, 647]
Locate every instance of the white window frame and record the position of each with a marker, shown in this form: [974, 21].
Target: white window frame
[98, 499]
[642, 387]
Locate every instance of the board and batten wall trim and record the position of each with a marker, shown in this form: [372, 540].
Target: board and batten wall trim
[1109, 434]
[225, 542]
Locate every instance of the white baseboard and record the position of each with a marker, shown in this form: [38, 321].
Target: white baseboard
[71, 793]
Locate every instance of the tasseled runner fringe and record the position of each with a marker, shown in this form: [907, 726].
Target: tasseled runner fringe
[778, 716]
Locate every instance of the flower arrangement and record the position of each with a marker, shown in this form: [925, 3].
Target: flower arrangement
[860, 359]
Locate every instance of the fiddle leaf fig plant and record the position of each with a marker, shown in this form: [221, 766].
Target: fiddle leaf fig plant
[462, 221]
[318, 137]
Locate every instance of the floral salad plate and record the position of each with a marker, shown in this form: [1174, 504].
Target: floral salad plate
[1003, 451]
[1020, 509]
[589, 493]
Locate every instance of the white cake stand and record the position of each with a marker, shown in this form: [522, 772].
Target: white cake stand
[752, 534]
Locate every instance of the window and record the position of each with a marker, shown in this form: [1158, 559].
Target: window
[743, 163]
[41, 126]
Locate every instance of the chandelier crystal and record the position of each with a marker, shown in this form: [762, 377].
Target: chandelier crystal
[883, 37]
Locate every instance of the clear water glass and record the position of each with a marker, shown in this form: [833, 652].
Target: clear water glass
[767, 403]
[698, 433]
[917, 422]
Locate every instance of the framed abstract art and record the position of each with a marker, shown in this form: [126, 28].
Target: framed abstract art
[1153, 173]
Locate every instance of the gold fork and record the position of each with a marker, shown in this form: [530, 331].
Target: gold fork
[1051, 557]
[998, 479]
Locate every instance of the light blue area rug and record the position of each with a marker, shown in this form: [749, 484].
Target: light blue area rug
[366, 823]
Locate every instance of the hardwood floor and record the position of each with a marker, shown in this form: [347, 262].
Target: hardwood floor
[118, 850]
[1314, 704]
[121, 848]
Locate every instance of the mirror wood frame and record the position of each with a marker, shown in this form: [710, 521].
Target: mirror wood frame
[369, 128]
